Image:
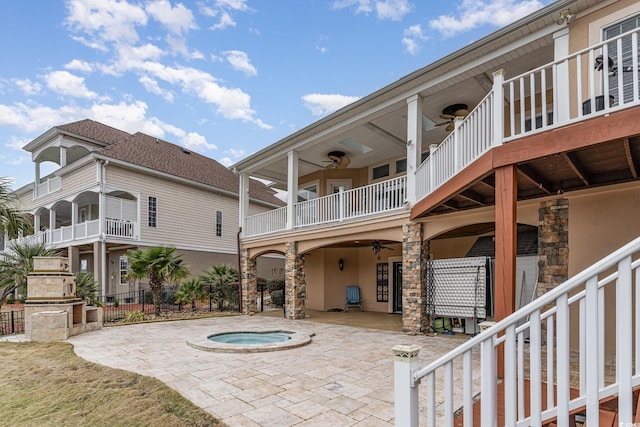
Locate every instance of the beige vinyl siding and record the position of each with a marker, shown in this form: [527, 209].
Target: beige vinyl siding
[185, 214]
[72, 182]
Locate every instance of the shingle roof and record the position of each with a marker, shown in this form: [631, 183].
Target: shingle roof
[153, 153]
[526, 244]
[96, 131]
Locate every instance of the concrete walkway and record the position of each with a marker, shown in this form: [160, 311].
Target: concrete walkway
[344, 377]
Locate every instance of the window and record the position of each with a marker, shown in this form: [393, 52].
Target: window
[401, 165]
[622, 65]
[308, 192]
[380, 171]
[218, 223]
[83, 215]
[83, 265]
[124, 264]
[153, 212]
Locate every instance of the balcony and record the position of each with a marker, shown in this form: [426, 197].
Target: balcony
[383, 197]
[85, 230]
[51, 185]
[565, 92]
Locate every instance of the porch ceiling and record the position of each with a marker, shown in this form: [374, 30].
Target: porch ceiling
[379, 132]
[611, 158]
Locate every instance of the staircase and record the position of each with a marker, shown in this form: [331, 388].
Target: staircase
[538, 382]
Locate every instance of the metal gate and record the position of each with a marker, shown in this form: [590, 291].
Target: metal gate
[457, 287]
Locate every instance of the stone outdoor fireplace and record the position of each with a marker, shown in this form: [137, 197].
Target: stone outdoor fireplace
[52, 311]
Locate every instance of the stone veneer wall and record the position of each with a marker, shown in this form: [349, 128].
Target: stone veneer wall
[249, 281]
[553, 244]
[415, 254]
[295, 288]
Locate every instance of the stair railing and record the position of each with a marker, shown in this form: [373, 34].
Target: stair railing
[536, 346]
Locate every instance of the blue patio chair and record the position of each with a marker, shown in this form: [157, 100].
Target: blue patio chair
[353, 298]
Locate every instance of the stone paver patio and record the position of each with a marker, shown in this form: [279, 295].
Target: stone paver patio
[344, 377]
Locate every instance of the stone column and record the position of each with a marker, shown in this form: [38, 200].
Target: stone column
[553, 244]
[249, 283]
[415, 253]
[295, 288]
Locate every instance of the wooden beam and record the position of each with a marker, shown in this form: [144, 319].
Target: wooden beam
[630, 162]
[618, 125]
[533, 177]
[505, 244]
[391, 137]
[459, 182]
[576, 167]
[472, 196]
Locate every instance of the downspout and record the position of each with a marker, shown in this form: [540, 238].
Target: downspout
[239, 270]
[103, 246]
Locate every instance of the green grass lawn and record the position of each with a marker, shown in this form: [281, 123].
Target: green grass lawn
[46, 384]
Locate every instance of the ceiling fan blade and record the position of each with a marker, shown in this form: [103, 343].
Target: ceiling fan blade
[447, 116]
[443, 123]
[463, 112]
[450, 127]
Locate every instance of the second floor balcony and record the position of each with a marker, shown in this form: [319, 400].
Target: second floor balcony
[536, 104]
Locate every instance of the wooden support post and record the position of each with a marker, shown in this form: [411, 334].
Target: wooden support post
[506, 229]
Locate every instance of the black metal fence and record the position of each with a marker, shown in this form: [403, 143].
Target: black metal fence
[122, 305]
[270, 295]
[12, 322]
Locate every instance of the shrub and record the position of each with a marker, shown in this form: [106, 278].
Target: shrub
[275, 285]
[134, 316]
[277, 298]
[11, 299]
[116, 303]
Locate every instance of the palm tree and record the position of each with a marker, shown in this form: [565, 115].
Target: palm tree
[191, 291]
[16, 263]
[12, 221]
[159, 264]
[223, 279]
[86, 288]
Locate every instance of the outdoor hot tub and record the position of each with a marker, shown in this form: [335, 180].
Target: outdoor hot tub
[251, 341]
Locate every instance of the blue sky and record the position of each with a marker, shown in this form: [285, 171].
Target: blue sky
[224, 78]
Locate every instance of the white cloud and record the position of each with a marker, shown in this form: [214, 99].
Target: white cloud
[236, 154]
[196, 142]
[65, 83]
[474, 13]
[79, 65]
[231, 103]
[320, 104]
[226, 161]
[16, 143]
[393, 10]
[179, 20]
[111, 20]
[34, 117]
[151, 86]
[412, 37]
[225, 21]
[239, 60]
[27, 86]
[222, 9]
[360, 6]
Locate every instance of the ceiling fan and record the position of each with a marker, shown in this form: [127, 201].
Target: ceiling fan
[450, 113]
[377, 247]
[337, 160]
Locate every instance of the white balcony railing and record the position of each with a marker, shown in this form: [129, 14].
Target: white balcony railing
[541, 335]
[266, 222]
[384, 196]
[49, 186]
[573, 88]
[84, 230]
